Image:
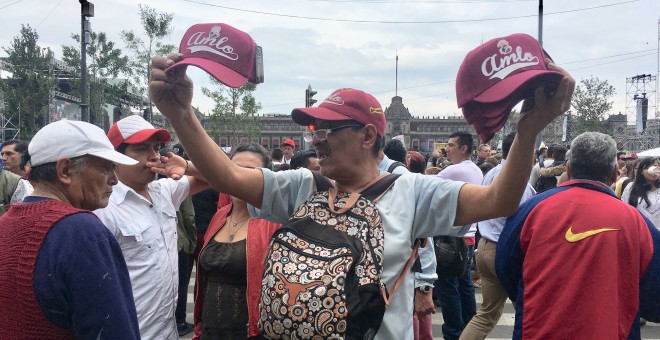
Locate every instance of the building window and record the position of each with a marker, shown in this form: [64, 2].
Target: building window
[223, 142]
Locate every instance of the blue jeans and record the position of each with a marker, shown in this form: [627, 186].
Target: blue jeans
[457, 302]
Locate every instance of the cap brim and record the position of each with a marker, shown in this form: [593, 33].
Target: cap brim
[114, 156]
[161, 134]
[220, 72]
[517, 84]
[307, 115]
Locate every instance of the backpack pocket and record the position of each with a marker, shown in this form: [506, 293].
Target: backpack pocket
[366, 312]
[304, 283]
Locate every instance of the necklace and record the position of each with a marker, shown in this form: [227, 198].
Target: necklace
[234, 224]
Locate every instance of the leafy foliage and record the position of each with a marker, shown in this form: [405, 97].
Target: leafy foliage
[591, 102]
[234, 111]
[157, 26]
[105, 63]
[27, 93]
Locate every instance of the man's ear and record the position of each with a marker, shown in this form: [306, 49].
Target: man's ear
[464, 149]
[63, 170]
[369, 135]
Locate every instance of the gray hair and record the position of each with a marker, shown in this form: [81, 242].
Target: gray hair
[592, 157]
[48, 173]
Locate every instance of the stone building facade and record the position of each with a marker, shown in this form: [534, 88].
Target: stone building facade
[420, 133]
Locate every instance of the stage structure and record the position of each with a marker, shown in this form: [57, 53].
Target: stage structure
[641, 108]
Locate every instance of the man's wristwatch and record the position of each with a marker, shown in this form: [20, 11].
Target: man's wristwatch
[424, 289]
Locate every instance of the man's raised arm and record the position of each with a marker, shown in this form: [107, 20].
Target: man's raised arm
[172, 93]
[502, 197]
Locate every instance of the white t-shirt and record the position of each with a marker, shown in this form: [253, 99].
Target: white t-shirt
[417, 206]
[651, 212]
[147, 235]
[491, 229]
[23, 189]
[467, 172]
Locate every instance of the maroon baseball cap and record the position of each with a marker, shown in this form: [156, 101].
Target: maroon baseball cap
[226, 53]
[503, 67]
[345, 104]
[479, 116]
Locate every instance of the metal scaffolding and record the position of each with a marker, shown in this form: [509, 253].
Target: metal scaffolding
[642, 88]
[7, 129]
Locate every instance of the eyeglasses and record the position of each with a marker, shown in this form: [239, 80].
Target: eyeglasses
[322, 134]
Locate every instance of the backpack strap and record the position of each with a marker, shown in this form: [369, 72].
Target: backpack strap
[374, 191]
[321, 182]
[402, 275]
[394, 166]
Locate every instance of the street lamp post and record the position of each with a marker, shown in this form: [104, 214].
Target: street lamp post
[86, 11]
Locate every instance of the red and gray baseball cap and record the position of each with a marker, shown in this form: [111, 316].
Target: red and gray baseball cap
[229, 55]
[345, 104]
[133, 130]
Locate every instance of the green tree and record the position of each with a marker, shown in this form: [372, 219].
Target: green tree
[27, 92]
[591, 102]
[156, 27]
[105, 64]
[235, 111]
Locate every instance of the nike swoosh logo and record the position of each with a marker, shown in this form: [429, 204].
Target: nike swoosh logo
[573, 237]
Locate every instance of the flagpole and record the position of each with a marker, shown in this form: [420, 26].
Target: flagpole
[396, 76]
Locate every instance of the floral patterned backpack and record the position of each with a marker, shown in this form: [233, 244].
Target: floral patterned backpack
[322, 272]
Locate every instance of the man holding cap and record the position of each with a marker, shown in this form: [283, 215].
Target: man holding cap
[349, 127]
[142, 216]
[62, 273]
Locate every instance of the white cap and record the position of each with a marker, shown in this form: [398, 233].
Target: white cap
[69, 139]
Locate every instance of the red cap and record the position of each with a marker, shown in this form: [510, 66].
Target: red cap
[226, 53]
[345, 104]
[288, 142]
[133, 130]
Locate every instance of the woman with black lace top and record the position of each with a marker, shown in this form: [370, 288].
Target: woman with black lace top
[230, 264]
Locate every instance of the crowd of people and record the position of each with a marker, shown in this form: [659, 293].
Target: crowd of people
[331, 243]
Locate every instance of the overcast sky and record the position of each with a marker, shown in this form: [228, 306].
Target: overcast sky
[328, 44]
